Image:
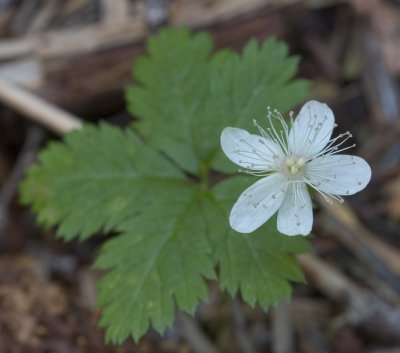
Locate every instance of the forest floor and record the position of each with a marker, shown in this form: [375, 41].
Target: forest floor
[77, 54]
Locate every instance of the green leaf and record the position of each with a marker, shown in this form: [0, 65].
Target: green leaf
[171, 233]
[260, 264]
[106, 178]
[160, 258]
[89, 182]
[171, 90]
[185, 96]
[243, 90]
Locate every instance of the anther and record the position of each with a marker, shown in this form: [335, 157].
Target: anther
[301, 162]
[290, 162]
[294, 169]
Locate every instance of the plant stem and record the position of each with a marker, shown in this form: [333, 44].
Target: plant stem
[204, 175]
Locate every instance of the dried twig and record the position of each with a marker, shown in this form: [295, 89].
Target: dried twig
[381, 89]
[241, 334]
[115, 13]
[282, 329]
[38, 110]
[34, 138]
[194, 335]
[381, 258]
[12, 48]
[363, 307]
[24, 72]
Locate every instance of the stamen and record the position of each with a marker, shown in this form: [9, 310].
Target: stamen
[282, 138]
[272, 153]
[268, 138]
[301, 162]
[331, 148]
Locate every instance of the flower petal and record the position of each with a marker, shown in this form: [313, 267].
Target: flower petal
[258, 203]
[247, 150]
[311, 130]
[295, 215]
[339, 174]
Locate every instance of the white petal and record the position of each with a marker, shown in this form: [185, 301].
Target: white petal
[295, 215]
[339, 174]
[311, 130]
[258, 203]
[247, 150]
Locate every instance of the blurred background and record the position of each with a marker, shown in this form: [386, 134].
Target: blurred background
[78, 54]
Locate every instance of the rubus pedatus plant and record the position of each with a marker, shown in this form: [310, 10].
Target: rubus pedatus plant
[165, 188]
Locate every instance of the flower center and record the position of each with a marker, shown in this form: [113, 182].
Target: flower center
[294, 165]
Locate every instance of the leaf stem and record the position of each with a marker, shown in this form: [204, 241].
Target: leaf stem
[203, 172]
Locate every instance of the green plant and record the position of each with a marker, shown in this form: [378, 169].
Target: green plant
[165, 188]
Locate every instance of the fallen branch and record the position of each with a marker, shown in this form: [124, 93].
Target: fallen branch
[196, 338]
[242, 336]
[380, 257]
[37, 109]
[282, 329]
[364, 308]
[27, 154]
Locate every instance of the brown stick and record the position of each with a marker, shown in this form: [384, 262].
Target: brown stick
[242, 336]
[115, 13]
[33, 140]
[282, 330]
[38, 110]
[193, 334]
[363, 307]
[358, 236]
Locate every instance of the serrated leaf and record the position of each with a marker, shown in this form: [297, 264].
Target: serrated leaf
[198, 94]
[106, 178]
[243, 90]
[172, 233]
[91, 181]
[161, 259]
[172, 87]
[259, 265]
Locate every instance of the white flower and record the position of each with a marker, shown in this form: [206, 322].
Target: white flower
[289, 160]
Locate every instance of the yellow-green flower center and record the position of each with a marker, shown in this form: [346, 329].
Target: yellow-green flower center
[294, 165]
